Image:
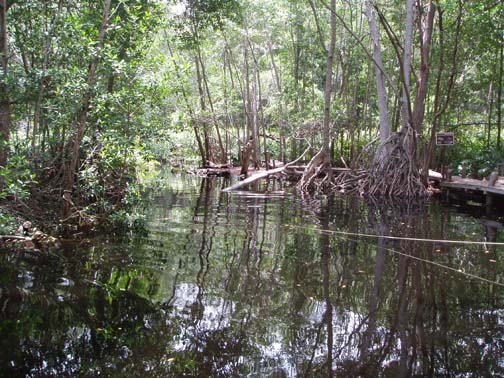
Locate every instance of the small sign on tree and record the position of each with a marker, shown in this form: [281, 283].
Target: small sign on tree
[445, 139]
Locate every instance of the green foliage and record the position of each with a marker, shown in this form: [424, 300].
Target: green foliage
[197, 16]
[111, 182]
[17, 178]
[8, 223]
[472, 154]
[479, 161]
[149, 96]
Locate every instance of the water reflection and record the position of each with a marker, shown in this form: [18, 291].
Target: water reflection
[252, 285]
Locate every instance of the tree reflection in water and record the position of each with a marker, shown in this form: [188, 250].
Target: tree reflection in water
[252, 285]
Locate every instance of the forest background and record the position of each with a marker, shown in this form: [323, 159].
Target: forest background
[94, 93]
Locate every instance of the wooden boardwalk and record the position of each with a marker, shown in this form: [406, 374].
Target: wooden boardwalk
[467, 189]
[475, 185]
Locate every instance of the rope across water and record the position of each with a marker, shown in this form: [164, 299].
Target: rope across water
[344, 235]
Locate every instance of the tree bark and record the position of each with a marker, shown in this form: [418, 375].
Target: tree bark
[71, 168]
[321, 162]
[280, 101]
[256, 106]
[206, 137]
[328, 83]
[43, 82]
[438, 108]
[490, 100]
[249, 112]
[380, 85]
[4, 91]
[423, 78]
[317, 24]
[210, 102]
[499, 94]
[201, 149]
[408, 42]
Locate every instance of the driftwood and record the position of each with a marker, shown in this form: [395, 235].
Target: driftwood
[210, 164]
[264, 174]
[15, 237]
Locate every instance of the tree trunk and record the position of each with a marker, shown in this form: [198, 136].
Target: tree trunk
[71, 168]
[4, 91]
[201, 149]
[438, 109]
[250, 119]
[210, 102]
[499, 95]
[490, 100]
[328, 83]
[43, 82]
[280, 102]
[380, 84]
[321, 162]
[258, 111]
[423, 77]
[408, 42]
[206, 137]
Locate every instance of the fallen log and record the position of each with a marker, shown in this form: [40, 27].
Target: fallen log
[264, 174]
[15, 237]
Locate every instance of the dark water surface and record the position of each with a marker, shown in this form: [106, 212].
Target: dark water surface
[247, 285]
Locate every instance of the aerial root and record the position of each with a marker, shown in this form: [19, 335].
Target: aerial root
[393, 173]
[318, 175]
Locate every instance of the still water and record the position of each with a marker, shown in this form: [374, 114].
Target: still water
[253, 285]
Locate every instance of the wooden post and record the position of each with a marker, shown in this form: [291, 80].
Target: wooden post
[494, 176]
[449, 173]
[488, 201]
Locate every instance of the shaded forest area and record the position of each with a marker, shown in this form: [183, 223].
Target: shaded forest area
[93, 94]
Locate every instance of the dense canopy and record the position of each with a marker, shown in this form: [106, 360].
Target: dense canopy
[91, 92]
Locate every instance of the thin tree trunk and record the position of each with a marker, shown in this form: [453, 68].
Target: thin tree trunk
[255, 123]
[4, 91]
[188, 105]
[71, 168]
[321, 162]
[239, 76]
[226, 106]
[280, 101]
[380, 85]
[328, 83]
[423, 78]
[438, 109]
[263, 121]
[258, 109]
[408, 42]
[251, 122]
[489, 111]
[206, 138]
[42, 87]
[317, 24]
[210, 102]
[499, 95]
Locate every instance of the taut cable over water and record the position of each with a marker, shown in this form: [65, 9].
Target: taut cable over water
[472, 276]
[390, 237]
[342, 235]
